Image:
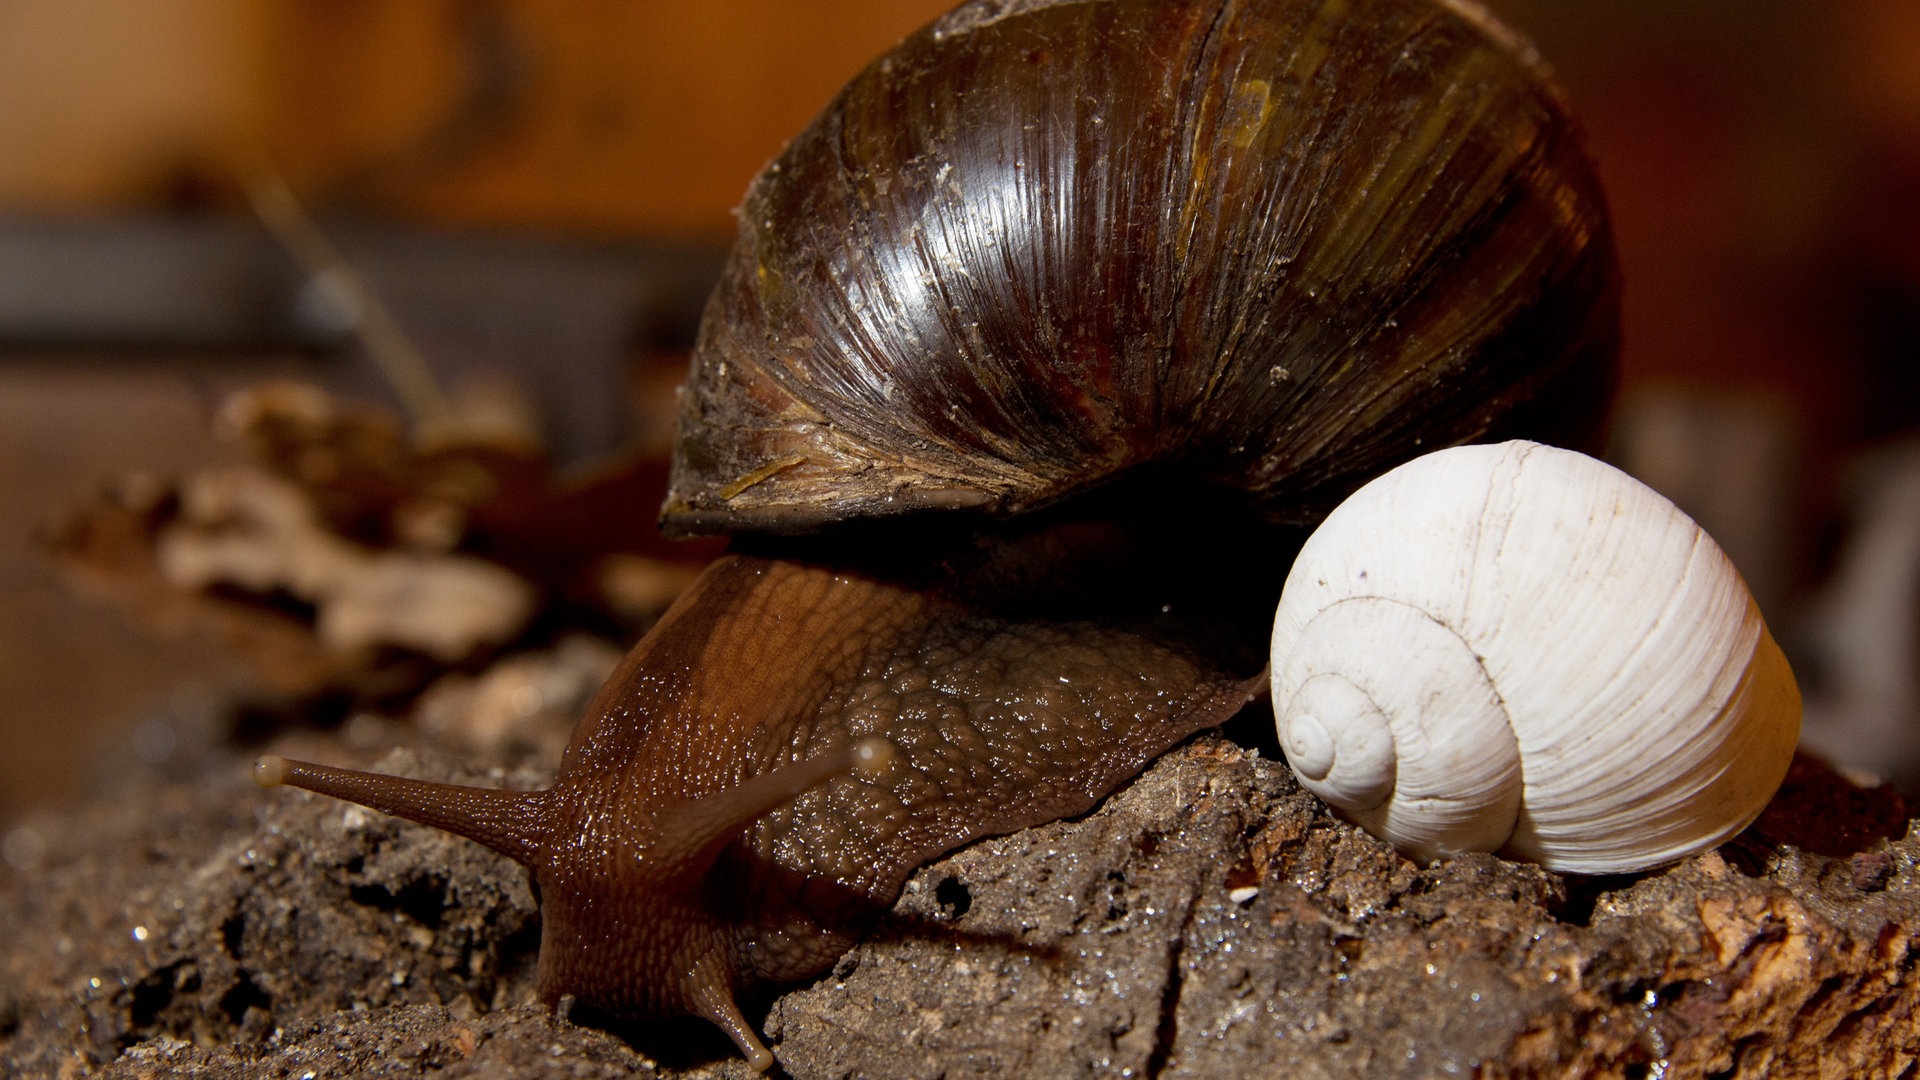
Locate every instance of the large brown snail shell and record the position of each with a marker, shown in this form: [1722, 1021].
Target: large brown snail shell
[1282, 245]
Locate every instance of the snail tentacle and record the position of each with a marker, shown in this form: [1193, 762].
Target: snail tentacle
[510, 822]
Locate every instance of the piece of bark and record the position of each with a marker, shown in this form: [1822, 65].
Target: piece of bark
[502, 501]
[1124, 950]
[244, 529]
[1210, 919]
[352, 562]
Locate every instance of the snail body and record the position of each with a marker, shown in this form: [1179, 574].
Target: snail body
[1518, 648]
[746, 793]
[1055, 301]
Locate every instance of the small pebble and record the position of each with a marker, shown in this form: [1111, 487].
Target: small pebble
[1872, 870]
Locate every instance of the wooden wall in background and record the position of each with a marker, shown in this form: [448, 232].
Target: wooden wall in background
[101, 100]
[600, 116]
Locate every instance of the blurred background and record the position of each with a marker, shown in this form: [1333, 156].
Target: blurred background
[540, 193]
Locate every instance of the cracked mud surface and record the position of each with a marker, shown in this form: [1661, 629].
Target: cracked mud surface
[1210, 919]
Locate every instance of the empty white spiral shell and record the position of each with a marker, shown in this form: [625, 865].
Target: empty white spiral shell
[1521, 649]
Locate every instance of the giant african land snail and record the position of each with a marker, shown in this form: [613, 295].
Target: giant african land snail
[1158, 275]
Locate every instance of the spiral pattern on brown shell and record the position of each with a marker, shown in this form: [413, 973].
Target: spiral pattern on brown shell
[1280, 245]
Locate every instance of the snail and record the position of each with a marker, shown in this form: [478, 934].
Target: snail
[1519, 648]
[1029, 348]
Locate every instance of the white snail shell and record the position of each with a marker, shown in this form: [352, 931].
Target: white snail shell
[1521, 649]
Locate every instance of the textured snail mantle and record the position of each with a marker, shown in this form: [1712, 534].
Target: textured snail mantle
[1043, 286]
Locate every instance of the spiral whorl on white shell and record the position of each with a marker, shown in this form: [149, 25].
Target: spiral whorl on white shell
[1518, 648]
